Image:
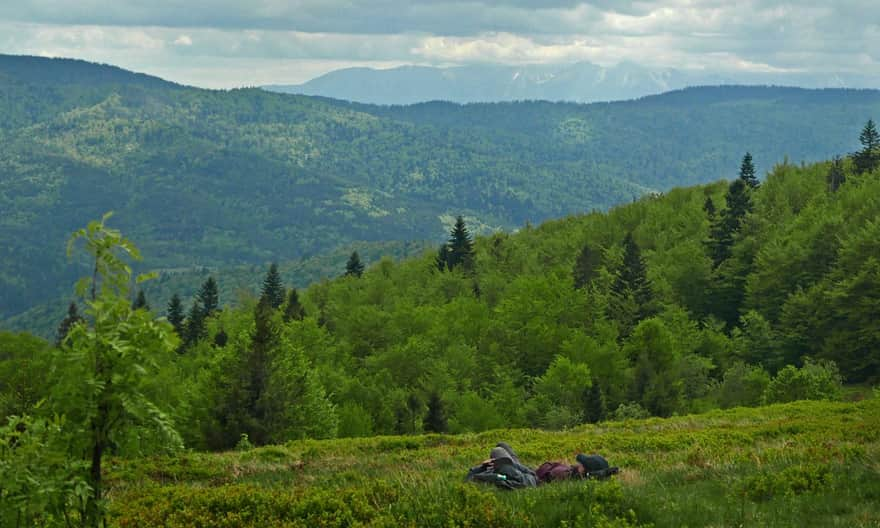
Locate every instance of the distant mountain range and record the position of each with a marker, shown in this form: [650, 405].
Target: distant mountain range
[212, 178]
[581, 82]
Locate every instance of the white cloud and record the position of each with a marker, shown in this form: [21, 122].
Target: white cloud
[230, 35]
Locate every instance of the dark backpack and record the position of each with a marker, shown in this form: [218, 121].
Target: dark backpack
[505, 474]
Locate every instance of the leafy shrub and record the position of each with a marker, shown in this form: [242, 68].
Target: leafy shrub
[39, 485]
[629, 411]
[814, 381]
[794, 480]
[743, 385]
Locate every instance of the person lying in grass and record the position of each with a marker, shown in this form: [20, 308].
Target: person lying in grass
[504, 469]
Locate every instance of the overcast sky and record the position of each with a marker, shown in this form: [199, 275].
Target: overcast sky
[226, 43]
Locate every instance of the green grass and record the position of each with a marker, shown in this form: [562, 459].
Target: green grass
[803, 464]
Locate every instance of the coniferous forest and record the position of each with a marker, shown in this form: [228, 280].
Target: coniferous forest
[758, 290]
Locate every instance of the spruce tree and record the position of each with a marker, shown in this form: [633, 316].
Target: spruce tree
[836, 175]
[461, 247]
[293, 310]
[709, 207]
[594, 403]
[175, 315]
[435, 421]
[195, 324]
[67, 323]
[442, 258]
[728, 223]
[140, 302]
[747, 172]
[209, 297]
[586, 265]
[354, 267]
[632, 295]
[867, 159]
[273, 289]
[632, 278]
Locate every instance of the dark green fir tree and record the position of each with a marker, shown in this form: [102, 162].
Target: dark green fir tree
[354, 267]
[594, 403]
[461, 247]
[209, 297]
[442, 258]
[747, 172]
[140, 302]
[67, 323]
[867, 159]
[176, 316]
[435, 420]
[728, 223]
[293, 310]
[586, 265]
[709, 208]
[273, 288]
[195, 324]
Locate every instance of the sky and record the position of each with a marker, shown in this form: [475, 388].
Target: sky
[230, 43]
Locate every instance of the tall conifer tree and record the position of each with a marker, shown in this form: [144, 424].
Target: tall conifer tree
[195, 324]
[435, 421]
[585, 266]
[747, 172]
[209, 297]
[461, 247]
[633, 298]
[176, 316]
[728, 223]
[354, 267]
[273, 288]
[67, 323]
[140, 302]
[867, 159]
[293, 310]
[709, 207]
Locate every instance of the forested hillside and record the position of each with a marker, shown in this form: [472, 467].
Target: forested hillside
[734, 294]
[211, 178]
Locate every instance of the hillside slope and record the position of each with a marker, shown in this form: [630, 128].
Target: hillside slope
[806, 464]
[211, 178]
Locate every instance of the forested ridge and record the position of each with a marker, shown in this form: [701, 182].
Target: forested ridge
[213, 179]
[740, 293]
[728, 294]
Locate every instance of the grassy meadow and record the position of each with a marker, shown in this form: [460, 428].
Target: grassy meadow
[799, 464]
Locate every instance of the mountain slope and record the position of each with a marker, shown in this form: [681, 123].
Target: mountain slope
[216, 178]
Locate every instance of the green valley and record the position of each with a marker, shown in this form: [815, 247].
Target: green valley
[213, 179]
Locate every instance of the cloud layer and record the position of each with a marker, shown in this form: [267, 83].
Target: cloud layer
[224, 43]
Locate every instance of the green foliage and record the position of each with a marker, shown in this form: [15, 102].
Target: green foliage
[354, 266]
[747, 171]
[175, 315]
[24, 360]
[273, 289]
[868, 159]
[67, 323]
[237, 178]
[802, 464]
[39, 484]
[743, 385]
[102, 377]
[814, 381]
[435, 420]
[293, 310]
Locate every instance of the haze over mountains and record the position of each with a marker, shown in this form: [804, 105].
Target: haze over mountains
[581, 82]
[242, 177]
